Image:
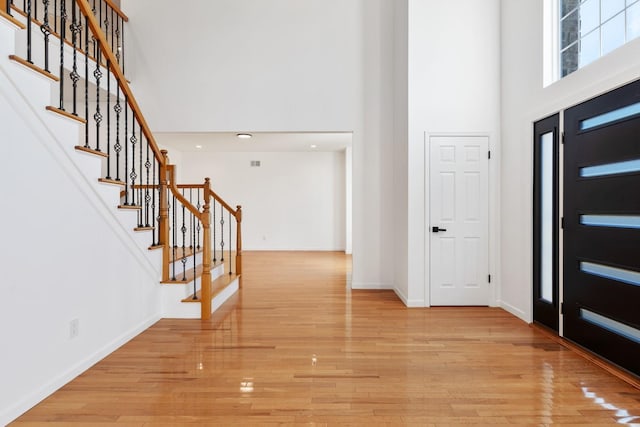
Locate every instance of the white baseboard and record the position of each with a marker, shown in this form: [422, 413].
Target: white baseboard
[371, 285]
[513, 310]
[410, 303]
[9, 414]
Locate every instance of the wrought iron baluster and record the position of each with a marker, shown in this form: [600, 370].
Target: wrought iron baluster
[117, 147]
[191, 224]
[63, 29]
[221, 232]
[174, 238]
[29, 32]
[8, 7]
[108, 119]
[140, 201]
[97, 73]
[147, 196]
[112, 28]
[213, 209]
[141, 141]
[154, 241]
[46, 31]
[198, 228]
[117, 46]
[133, 175]
[55, 19]
[230, 257]
[122, 46]
[126, 149]
[75, 77]
[193, 253]
[183, 230]
[86, 82]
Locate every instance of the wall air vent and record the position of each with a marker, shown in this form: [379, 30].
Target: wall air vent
[255, 163]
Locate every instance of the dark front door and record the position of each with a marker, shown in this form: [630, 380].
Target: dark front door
[602, 226]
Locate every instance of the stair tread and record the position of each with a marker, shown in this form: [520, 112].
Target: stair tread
[33, 67]
[188, 275]
[217, 286]
[13, 20]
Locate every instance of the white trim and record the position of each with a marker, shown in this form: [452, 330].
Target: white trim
[513, 310]
[372, 286]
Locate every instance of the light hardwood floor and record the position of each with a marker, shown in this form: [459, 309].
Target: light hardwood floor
[296, 346]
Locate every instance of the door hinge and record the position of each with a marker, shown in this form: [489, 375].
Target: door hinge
[562, 223]
[489, 154]
[562, 308]
[562, 137]
[489, 278]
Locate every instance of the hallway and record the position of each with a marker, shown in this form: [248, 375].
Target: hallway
[295, 346]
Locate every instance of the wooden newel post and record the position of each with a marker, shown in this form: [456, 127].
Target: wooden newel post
[3, 6]
[205, 286]
[239, 243]
[163, 221]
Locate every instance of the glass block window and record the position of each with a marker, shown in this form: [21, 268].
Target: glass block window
[590, 29]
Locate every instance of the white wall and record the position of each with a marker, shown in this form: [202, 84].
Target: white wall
[282, 65]
[250, 64]
[453, 87]
[525, 101]
[293, 201]
[401, 148]
[65, 256]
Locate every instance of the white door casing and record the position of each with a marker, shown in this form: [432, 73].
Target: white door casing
[459, 204]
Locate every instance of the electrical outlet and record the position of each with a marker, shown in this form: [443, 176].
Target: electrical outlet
[74, 328]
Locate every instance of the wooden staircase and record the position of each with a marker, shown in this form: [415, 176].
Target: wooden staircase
[184, 268]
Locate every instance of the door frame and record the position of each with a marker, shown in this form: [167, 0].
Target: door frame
[493, 215]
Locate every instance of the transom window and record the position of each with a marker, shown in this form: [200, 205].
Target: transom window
[590, 29]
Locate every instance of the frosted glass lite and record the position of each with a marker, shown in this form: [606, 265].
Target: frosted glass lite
[618, 221]
[611, 116]
[546, 217]
[611, 325]
[610, 169]
[619, 274]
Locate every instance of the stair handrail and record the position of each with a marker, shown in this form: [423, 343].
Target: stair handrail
[112, 60]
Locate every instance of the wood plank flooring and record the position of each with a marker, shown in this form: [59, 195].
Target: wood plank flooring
[297, 347]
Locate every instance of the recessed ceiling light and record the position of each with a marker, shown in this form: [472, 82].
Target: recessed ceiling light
[244, 135]
[198, 146]
[314, 146]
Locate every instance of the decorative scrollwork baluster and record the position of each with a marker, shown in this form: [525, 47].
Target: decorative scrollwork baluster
[46, 31]
[198, 227]
[86, 82]
[213, 209]
[97, 116]
[147, 196]
[76, 27]
[183, 230]
[126, 149]
[174, 245]
[29, 15]
[63, 30]
[133, 175]
[221, 233]
[117, 147]
[108, 119]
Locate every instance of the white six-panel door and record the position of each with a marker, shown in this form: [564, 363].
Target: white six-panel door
[459, 211]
